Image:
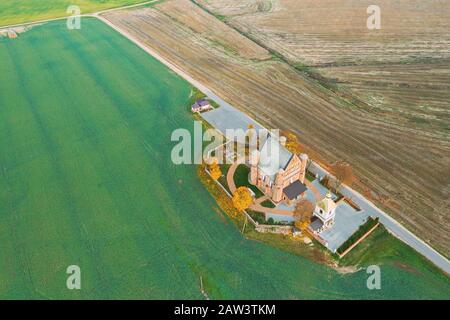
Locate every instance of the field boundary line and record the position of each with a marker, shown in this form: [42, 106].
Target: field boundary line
[92, 14]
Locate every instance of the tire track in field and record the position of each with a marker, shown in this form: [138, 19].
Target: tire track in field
[128, 115]
[52, 151]
[116, 100]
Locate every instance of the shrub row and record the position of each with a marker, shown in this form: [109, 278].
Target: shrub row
[362, 230]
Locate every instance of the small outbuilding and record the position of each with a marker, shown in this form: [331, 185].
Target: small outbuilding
[201, 105]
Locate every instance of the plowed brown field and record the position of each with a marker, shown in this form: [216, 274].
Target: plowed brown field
[389, 119]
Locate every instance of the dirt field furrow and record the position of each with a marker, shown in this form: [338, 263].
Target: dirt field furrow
[393, 131]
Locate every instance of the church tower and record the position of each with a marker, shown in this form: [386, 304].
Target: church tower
[304, 161]
[254, 161]
[278, 188]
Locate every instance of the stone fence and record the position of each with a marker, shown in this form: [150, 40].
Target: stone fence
[265, 228]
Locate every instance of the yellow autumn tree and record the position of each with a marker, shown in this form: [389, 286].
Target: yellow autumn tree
[242, 199]
[214, 170]
[292, 143]
[303, 213]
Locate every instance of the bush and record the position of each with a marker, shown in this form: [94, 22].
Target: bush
[257, 216]
[268, 204]
[309, 176]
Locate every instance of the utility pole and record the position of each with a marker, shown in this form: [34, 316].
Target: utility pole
[245, 223]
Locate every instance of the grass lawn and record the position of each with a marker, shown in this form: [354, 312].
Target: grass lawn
[382, 248]
[223, 179]
[268, 204]
[197, 95]
[362, 230]
[241, 179]
[310, 176]
[20, 11]
[86, 179]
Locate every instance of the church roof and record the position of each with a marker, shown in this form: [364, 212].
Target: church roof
[295, 189]
[273, 157]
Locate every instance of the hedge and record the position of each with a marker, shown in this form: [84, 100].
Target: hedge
[362, 230]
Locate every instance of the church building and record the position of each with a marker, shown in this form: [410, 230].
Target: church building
[277, 172]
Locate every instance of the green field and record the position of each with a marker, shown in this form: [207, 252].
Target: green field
[21, 11]
[86, 179]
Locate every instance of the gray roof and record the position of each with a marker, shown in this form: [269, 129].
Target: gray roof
[273, 157]
[226, 117]
[203, 102]
[316, 224]
[295, 189]
[200, 103]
